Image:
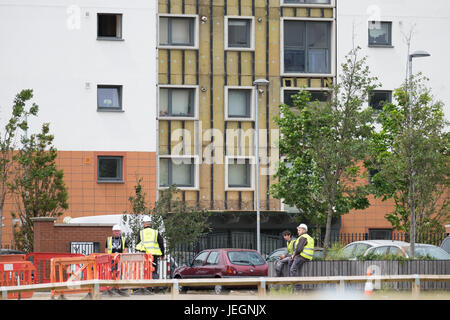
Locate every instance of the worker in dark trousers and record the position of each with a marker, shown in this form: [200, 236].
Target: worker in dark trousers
[284, 259]
[150, 241]
[116, 244]
[304, 251]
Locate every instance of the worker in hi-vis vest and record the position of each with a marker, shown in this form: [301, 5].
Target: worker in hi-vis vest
[150, 241]
[116, 243]
[284, 259]
[303, 251]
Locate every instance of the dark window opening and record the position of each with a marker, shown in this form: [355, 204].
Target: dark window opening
[109, 25]
[110, 169]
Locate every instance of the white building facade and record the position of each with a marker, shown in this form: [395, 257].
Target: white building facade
[92, 66]
[384, 29]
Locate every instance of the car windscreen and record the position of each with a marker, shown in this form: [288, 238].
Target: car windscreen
[245, 258]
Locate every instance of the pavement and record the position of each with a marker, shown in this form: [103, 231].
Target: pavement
[252, 295]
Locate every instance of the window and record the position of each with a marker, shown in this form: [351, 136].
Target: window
[239, 103]
[177, 102]
[200, 259]
[321, 96]
[109, 26]
[213, 258]
[396, 251]
[307, 47]
[245, 258]
[381, 250]
[378, 99]
[109, 97]
[239, 33]
[308, 1]
[380, 33]
[360, 249]
[109, 169]
[380, 234]
[177, 31]
[177, 171]
[239, 173]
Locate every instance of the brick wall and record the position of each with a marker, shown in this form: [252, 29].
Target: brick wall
[51, 237]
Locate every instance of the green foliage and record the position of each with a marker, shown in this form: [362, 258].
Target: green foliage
[38, 185]
[405, 152]
[18, 120]
[182, 224]
[177, 222]
[334, 252]
[139, 208]
[323, 145]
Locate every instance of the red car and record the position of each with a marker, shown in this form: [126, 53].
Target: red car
[221, 263]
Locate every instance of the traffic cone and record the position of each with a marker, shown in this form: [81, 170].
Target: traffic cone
[368, 288]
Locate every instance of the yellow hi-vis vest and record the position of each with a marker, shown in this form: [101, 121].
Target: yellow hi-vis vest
[308, 250]
[149, 242]
[290, 246]
[110, 244]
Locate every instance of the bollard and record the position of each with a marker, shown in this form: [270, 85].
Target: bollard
[368, 288]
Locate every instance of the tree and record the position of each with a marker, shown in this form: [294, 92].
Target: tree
[324, 145]
[176, 222]
[405, 152]
[181, 223]
[38, 185]
[18, 120]
[134, 218]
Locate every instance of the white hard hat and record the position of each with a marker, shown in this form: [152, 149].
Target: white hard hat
[303, 226]
[116, 227]
[146, 219]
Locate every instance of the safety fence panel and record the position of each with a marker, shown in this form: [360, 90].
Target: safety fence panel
[41, 261]
[16, 273]
[72, 269]
[135, 266]
[106, 267]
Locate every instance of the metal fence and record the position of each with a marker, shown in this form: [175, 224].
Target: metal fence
[345, 238]
[184, 254]
[334, 268]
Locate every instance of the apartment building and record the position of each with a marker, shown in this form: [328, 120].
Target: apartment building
[165, 91]
[383, 29]
[209, 55]
[92, 67]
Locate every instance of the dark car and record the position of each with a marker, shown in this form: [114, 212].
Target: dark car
[222, 263]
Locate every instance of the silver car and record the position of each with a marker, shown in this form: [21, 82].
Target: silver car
[446, 244]
[401, 248]
[359, 248]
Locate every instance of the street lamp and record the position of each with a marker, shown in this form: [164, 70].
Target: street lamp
[258, 83]
[416, 54]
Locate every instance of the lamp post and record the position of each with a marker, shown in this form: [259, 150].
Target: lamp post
[416, 54]
[257, 84]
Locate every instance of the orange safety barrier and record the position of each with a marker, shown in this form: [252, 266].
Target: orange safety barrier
[106, 267]
[17, 273]
[72, 269]
[116, 266]
[12, 257]
[135, 266]
[41, 261]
